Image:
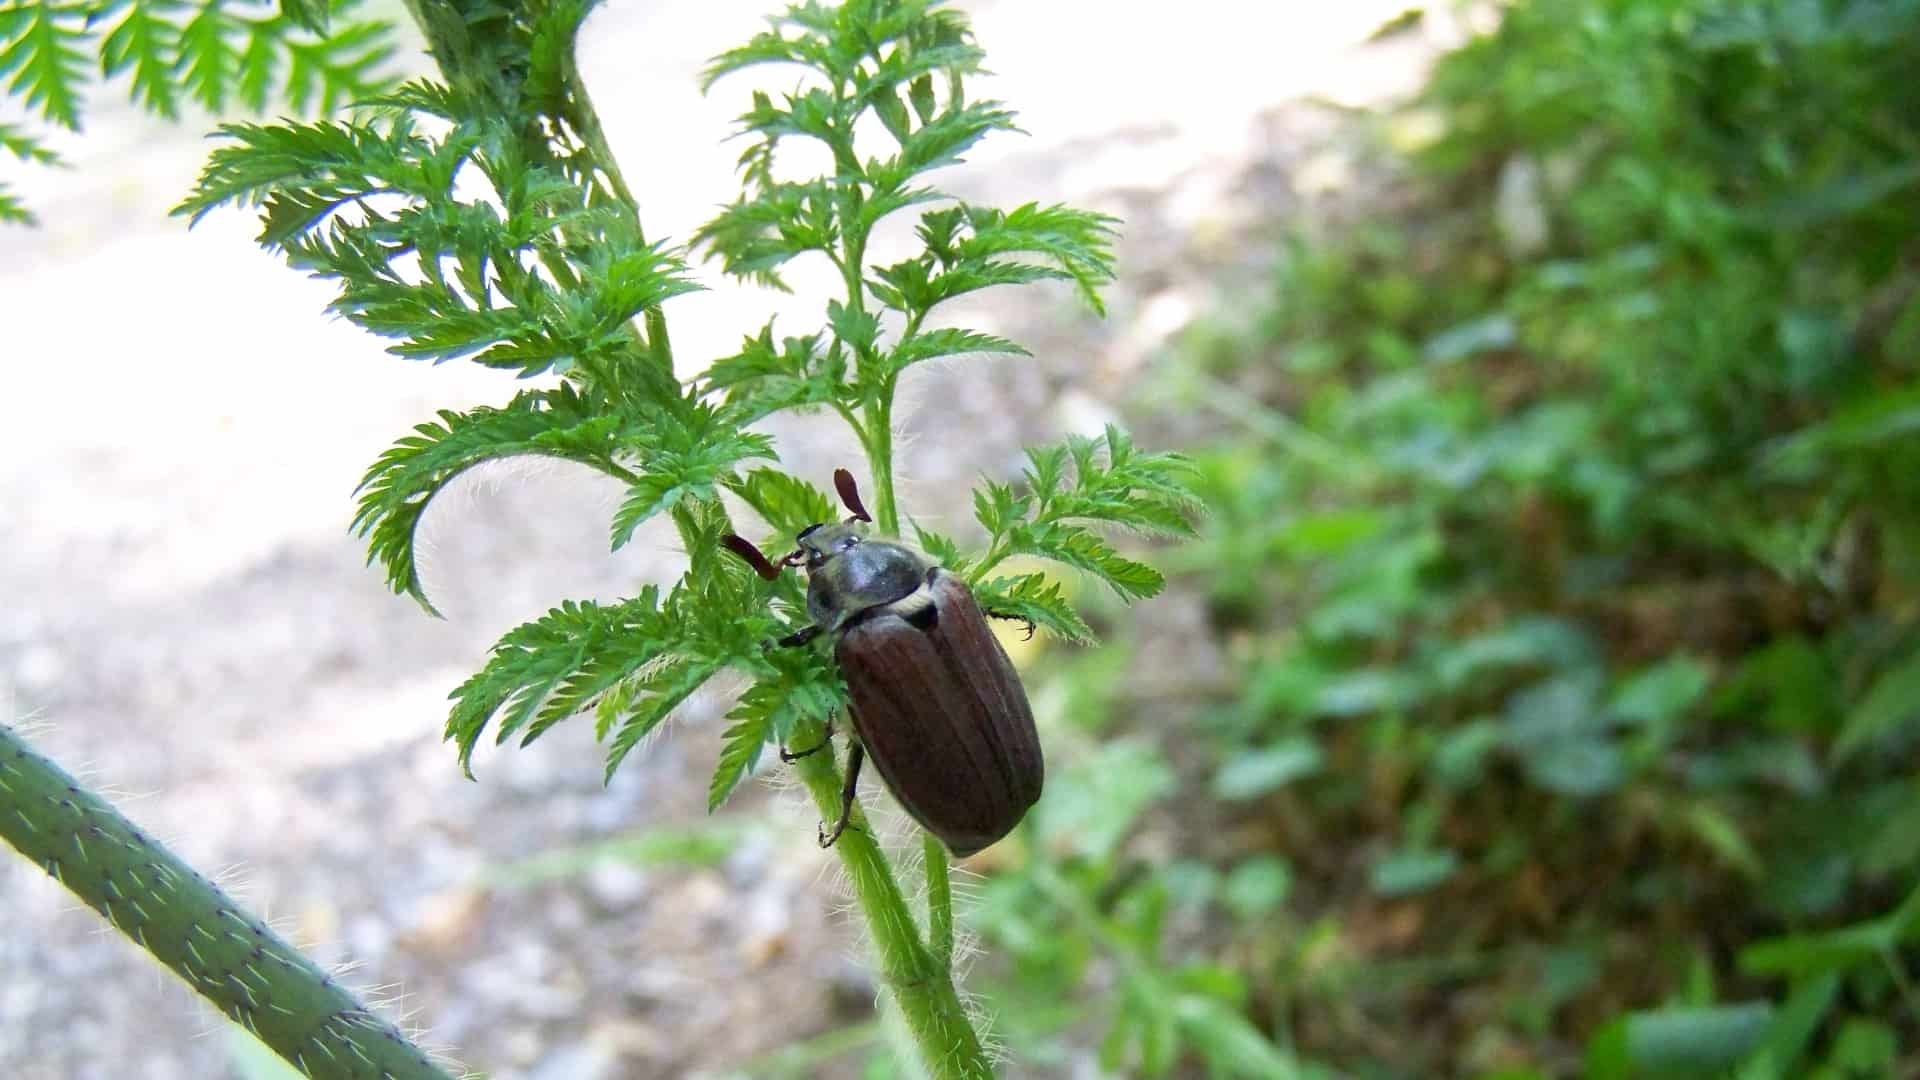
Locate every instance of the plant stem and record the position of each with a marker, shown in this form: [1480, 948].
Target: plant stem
[919, 979]
[586, 121]
[222, 951]
[938, 1023]
[939, 901]
[934, 961]
[879, 447]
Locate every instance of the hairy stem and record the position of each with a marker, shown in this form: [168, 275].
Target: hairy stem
[919, 979]
[937, 1021]
[223, 952]
[879, 447]
[939, 902]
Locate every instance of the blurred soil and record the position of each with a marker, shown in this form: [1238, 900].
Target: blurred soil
[185, 619]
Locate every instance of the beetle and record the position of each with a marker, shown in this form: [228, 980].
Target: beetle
[935, 702]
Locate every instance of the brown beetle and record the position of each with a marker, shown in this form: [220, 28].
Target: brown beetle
[934, 699]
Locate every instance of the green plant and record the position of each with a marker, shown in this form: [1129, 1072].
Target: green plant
[251, 54]
[1569, 549]
[226, 954]
[1084, 905]
[546, 274]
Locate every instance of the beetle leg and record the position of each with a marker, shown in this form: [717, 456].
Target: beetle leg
[855, 757]
[1015, 618]
[800, 636]
[824, 742]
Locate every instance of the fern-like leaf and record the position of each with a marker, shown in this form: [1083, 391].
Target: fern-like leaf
[786, 503]
[12, 210]
[1083, 549]
[1039, 601]
[402, 483]
[43, 52]
[693, 454]
[145, 43]
[1086, 482]
[941, 549]
[175, 53]
[345, 66]
[532, 661]
[312, 15]
[208, 60]
[326, 163]
[770, 711]
[932, 344]
[652, 702]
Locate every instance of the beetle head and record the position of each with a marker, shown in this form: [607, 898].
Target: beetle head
[818, 542]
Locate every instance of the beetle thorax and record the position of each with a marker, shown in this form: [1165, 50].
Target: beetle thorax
[849, 573]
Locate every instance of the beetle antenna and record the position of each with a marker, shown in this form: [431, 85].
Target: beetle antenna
[751, 555]
[850, 494]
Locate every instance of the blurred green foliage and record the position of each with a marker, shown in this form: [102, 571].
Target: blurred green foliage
[310, 55]
[1567, 559]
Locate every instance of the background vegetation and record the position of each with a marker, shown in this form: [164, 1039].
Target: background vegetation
[1565, 555]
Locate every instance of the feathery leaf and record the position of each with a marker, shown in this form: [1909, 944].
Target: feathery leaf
[43, 53]
[402, 483]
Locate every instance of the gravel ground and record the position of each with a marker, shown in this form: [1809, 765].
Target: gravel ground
[184, 618]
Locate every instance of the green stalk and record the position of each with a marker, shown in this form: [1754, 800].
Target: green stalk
[876, 436]
[879, 447]
[223, 952]
[939, 901]
[920, 975]
[919, 979]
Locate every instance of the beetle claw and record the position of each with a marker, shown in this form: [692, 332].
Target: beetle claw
[800, 636]
[828, 839]
[825, 741]
[1016, 618]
